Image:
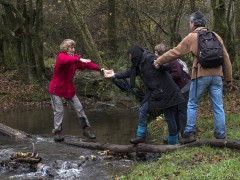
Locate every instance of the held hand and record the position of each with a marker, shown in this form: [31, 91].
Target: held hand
[85, 60]
[156, 65]
[108, 73]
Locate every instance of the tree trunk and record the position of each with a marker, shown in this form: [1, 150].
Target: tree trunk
[22, 26]
[37, 40]
[112, 34]
[222, 25]
[175, 22]
[13, 133]
[237, 37]
[28, 15]
[2, 64]
[237, 25]
[192, 6]
[85, 35]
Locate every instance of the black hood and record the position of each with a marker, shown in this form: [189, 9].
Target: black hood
[136, 53]
[136, 56]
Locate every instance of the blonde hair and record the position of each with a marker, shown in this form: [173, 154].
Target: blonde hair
[160, 49]
[66, 44]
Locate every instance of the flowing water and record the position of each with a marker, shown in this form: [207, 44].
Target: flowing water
[66, 162]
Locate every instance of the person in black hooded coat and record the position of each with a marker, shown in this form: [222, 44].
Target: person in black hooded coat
[162, 93]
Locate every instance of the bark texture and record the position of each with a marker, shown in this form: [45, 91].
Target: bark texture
[14, 133]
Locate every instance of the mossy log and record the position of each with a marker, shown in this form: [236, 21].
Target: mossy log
[14, 133]
[142, 147]
[117, 148]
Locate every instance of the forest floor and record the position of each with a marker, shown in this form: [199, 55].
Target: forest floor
[15, 95]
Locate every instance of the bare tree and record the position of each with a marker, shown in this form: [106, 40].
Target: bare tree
[86, 37]
[193, 7]
[237, 25]
[222, 23]
[112, 34]
[21, 38]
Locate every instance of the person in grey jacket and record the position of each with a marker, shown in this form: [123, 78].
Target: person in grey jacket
[162, 93]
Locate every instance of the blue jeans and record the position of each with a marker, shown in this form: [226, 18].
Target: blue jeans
[214, 85]
[169, 115]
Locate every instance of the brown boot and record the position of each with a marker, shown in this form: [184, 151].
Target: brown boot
[88, 133]
[188, 138]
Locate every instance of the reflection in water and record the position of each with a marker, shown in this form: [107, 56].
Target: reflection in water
[110, 126]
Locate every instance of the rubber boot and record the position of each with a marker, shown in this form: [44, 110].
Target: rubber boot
[86, 129]
[88, 133]
[173, 139]
[57, 134]
[83, 122]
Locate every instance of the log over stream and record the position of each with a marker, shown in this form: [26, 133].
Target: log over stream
[142, 147]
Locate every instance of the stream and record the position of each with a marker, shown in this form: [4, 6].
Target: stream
[60, 161]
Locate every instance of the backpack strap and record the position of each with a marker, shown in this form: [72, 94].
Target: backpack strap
[195, 31]
[196, 68]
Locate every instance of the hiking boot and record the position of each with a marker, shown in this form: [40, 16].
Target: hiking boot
[188, 138]
[58, 137]
[137, 140]
[88, 133]
[217, 137]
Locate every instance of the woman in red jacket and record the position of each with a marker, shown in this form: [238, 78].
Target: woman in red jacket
[61, 86]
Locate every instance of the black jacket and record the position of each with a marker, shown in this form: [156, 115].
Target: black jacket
[162, 92]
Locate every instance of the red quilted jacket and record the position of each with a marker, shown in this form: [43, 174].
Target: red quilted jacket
[62, 80]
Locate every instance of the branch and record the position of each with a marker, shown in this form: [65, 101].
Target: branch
[150, 17]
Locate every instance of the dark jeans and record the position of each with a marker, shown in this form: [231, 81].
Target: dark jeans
[181, 115]
[170, 114]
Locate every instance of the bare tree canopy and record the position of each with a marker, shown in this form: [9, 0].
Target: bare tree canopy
[31, 31]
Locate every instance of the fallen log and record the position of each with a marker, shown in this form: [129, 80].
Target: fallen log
[219, 143]
[151, 148]
[117, 148]
[14, 133]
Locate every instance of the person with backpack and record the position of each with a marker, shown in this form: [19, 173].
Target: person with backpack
[203, 77]
[179, 71]
[162, 93]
